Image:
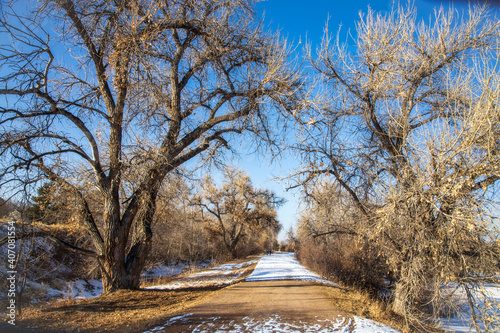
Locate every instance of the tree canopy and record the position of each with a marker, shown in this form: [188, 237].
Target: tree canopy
[235, 209]
[409, 130]
[94, 91]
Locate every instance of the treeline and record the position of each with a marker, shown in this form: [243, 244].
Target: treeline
[195, 220]
[7, 207]
[203, 220]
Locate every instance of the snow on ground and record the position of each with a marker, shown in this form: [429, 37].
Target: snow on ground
[283, 266]
[363, 325]
[221, 275]
[463, 322]
[163, 270]
[173, 320]
[278, 266]
[84, 289]
[225, 269]
[76, 289]
[276, 324]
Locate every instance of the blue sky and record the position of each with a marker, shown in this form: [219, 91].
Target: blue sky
[297, 20]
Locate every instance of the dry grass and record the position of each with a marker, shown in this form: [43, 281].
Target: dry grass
[361, 304]
[125, 311]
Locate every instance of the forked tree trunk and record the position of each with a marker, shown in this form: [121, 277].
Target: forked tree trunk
[141, 243]
[123, 272]
[136, 257]
[115, 240]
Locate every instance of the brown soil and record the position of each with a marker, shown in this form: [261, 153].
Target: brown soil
[292, 302]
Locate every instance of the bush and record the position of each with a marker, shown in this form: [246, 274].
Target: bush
[348, 261]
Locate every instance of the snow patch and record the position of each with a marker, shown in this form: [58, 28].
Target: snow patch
[283, 266]
[163, 270]
[225, 269]
[84, 288]
[170, 322]
[462, 323]
[219, 276]
[275, 324]
[77, 289]
[363, 325]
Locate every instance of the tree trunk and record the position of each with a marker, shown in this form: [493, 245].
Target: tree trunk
[232, 250]
[141, 243]
[134, 263]
[115, 240]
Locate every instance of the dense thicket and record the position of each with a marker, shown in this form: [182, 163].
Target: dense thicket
[409, 132]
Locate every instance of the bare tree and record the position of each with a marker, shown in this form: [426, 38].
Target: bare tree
[328, 210]
[176, 233]
[236, 208]
[6, 208]
[330, 240]
[409, 129]
[101, 88]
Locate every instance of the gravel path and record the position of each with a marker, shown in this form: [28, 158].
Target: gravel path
[284, 303]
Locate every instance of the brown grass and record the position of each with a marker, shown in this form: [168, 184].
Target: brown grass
[363, 305]
[124, 311]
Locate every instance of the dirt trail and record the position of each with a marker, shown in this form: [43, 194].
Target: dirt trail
[264, 306]
[281, 296]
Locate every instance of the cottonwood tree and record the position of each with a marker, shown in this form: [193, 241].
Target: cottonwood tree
[327, 231]
[176, 234]
[236, 208]
[104, 87]
[409, 128]
[327, 210]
